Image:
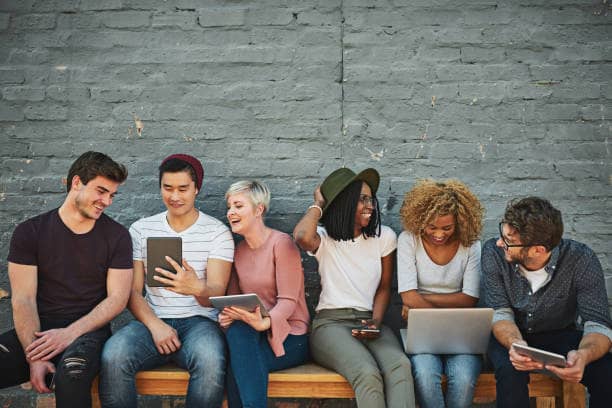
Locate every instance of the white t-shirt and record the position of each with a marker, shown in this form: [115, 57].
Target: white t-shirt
[537, 279]
[351, 270]
[207, 238]
[415, 270]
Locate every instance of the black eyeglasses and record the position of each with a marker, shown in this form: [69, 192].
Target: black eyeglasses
[367, 200]
[506, 244]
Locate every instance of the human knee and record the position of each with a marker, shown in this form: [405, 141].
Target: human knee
[368, 376]
[73, 369]
[113, 353]
[507, 373]
[240, 332]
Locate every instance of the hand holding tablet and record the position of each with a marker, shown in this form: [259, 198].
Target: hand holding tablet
[246, 301]
[539, 355]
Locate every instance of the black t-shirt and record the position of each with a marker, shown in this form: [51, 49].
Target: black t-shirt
[72, 268]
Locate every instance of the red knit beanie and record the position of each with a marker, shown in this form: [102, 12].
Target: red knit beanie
[193, 162]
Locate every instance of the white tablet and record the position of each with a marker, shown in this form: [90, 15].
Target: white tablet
[247, 301]
[540, 355]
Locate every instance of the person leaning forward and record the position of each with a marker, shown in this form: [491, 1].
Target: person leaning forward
[539, 284]
[174, 323]
[70, 271]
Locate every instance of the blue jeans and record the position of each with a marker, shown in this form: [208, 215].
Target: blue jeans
[512, 390]
[132, 349]
[461, 371]
[252, 358]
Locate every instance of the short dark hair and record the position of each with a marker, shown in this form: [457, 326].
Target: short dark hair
[339, 218]
[92, 164]
[176, 166]
[536, 221]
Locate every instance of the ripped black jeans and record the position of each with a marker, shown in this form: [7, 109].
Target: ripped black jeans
[75, 368]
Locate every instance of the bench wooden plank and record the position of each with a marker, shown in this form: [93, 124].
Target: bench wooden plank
[313, 381]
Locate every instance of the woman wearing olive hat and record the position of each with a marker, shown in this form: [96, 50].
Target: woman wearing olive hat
[355, 254]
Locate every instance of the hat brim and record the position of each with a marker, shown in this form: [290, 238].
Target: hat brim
[369, 176]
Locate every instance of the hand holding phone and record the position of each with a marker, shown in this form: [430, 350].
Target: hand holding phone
[50, 381]
[367, 330]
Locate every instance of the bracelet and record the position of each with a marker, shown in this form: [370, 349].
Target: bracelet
[317, 207]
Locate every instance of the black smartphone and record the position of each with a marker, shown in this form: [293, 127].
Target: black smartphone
[50, 381]
[157, 250]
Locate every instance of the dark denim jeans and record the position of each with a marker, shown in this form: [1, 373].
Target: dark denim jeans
[251, 359]
[75, 368]
[132, 349]
[512, 390]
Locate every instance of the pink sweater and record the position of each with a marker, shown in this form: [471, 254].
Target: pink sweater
[274, 271]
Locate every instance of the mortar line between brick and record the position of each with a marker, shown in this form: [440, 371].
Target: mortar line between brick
[342, 129]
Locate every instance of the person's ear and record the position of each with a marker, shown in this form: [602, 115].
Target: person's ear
[75, 183]
[540, 249]
[259, 211]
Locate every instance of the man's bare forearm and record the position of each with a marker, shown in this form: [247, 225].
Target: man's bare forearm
[506, 333]
[209, 290]
[99, 316]
[26, 321]
[594, 346]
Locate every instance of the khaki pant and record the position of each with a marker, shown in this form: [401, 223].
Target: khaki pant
[378, 370]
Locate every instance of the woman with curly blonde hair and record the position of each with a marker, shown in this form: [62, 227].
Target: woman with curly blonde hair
[438, 266]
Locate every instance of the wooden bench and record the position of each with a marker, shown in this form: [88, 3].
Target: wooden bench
[313, 381]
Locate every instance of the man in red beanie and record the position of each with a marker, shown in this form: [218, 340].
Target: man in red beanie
[174, 322]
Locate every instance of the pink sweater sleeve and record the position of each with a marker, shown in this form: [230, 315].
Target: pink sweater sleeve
[289, 284]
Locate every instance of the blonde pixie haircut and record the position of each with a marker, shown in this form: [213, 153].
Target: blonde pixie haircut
[429, 199]
[257, 192]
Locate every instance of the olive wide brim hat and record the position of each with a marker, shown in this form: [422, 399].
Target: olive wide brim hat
[339, 179]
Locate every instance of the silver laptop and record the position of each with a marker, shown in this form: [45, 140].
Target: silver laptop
[447, 331]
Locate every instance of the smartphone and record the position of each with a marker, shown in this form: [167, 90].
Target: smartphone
[157, 250]
[50, 381]
[366, 330]
[540, 355]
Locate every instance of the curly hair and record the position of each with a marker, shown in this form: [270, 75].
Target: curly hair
[429, 199]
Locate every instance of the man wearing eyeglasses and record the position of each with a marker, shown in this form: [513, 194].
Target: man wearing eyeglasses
[548, 293]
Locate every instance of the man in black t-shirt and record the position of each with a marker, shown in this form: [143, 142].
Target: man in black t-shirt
[70, 271]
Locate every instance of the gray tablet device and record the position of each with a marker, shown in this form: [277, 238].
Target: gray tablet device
[157, 250]
[247, 301]
[540, 355]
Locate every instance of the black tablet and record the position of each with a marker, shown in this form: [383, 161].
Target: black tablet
[157, 250]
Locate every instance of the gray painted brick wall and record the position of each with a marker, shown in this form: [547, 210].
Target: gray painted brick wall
[512, 97]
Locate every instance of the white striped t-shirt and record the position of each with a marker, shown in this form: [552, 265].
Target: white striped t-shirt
[206, 238]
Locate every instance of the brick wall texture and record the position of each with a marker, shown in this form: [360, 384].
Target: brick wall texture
[512, 97]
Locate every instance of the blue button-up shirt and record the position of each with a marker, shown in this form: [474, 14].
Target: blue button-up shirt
[574, 295]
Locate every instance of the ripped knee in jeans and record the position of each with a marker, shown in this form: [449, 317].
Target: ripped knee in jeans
[74, 367]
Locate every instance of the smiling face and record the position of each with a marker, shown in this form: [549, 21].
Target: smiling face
[514, 254]
[91, 199]
[366, 205]
[178, 193]
[441, 230]
[242, 214]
